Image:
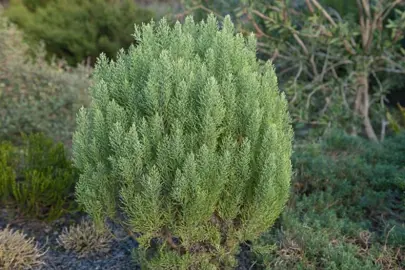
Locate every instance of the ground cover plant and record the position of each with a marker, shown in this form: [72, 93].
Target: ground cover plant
[17, 252]
[187, 142]
[85, 239]
[347, 207]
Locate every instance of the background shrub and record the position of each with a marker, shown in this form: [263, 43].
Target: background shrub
[36, 96]
[344, 8]
[75, 29]
[335, 69]
[190, 139]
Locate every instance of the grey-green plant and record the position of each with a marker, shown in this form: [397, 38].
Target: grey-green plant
[37, 95]
[186, 143]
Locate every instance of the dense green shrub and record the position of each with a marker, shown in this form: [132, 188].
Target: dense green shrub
[190, 140]
[42, 179]
[76, 29]
[36, 96]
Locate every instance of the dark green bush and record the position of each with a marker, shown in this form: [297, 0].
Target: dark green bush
[41, 181]
[76, 29]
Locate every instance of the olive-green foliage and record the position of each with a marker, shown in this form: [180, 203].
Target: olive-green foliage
[189, 138]
[344, 8]
[347, 210]
[76, 29]
[36, 96]
[32, 5]
[7, 170]
[42, 180]
[397, 120]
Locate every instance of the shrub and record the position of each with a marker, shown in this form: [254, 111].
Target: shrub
[47, 178]
[189, 140]
[18, 252]
[7, 171]
[39, 177]
[36, 96]
[75, 29]
[85, 239]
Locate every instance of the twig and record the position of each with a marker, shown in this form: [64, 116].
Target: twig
[324, 12]
[309, 5]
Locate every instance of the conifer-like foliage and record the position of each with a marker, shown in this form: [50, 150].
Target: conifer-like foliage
[187, 142]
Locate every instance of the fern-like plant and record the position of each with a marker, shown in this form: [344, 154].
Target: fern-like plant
[187, 142]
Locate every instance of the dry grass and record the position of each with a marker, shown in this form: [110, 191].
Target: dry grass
[18, 252]
[85, 239]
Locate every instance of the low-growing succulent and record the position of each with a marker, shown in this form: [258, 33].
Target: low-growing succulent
[18, 252]
[85, 239]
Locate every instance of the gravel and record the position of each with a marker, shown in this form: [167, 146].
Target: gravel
[56, 257]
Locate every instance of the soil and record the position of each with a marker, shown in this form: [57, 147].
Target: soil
[46, 234]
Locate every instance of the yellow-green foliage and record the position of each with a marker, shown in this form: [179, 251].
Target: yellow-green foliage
[7, 170]
[17, 252]
[49, 178]
[85, 239]
[44, 179]
[397, 124]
